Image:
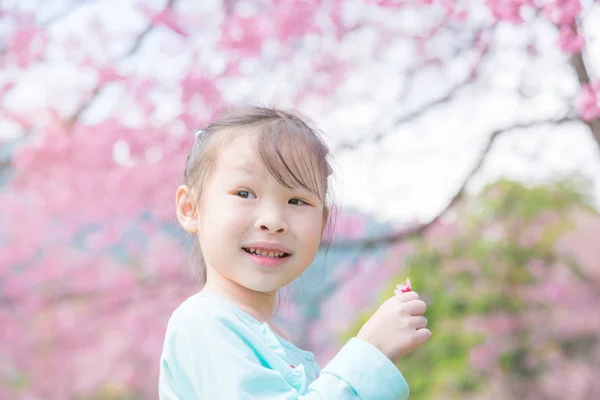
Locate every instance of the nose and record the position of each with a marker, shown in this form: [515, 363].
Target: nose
[271, 219]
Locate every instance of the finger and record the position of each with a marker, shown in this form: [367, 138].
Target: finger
[414, 307]
[422, 336]
[408, 296]
[418, 322]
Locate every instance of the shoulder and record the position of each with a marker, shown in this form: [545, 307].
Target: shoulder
[207, 325]
[198, 307]
[208, 336]
[206, 314]
[205, 341]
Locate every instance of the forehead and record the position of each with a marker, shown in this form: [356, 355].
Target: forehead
[239, 151]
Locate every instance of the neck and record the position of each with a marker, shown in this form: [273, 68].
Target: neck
[258, 304]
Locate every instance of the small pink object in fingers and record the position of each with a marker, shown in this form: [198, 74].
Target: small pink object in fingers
[403, 287]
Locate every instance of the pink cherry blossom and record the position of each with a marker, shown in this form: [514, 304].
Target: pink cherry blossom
[562, 12]
[569, 41]
[403, 287]
[589, 101]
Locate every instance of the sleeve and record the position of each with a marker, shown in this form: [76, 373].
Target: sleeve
[216, 361]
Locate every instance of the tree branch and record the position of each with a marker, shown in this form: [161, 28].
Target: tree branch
[134, 48]
[140, 39]
[416, 231]
[485, 51]
[404, 119]
[75, 4]
[578, 64]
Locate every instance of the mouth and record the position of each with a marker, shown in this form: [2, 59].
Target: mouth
[266, 253]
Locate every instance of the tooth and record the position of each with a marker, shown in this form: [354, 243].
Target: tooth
[265, 253]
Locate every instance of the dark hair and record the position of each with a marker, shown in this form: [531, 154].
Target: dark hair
[289, 145]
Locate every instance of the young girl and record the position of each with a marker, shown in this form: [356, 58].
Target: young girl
[254, 196]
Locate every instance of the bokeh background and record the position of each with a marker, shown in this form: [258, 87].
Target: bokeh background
[466, 139]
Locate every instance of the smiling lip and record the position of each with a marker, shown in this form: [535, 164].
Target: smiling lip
[265, 261]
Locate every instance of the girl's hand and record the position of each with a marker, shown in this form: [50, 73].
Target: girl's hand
[398, 326]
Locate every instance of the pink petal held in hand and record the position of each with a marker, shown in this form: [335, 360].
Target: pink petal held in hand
[403, 287]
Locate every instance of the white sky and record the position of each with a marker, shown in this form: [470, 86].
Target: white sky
[416, 169]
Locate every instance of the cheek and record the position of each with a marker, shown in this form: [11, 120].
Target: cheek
[234, 221]
[310, 230]
[223, 217]
[222, 238]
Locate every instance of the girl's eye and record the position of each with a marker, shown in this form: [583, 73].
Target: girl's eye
[244, 194]
[298, 202]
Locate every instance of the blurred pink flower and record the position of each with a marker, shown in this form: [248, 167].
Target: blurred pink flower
[569, 41]
[589, 101]
[562, 12]
[403, 287]
[508, 10]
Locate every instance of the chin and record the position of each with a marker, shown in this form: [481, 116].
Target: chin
[262, 286]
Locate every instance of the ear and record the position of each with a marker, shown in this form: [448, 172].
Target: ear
[186, 210]
[325, 219]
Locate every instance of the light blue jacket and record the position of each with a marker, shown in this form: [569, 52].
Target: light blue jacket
[215, 351]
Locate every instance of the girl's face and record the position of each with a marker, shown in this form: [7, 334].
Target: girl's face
[244, 210]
